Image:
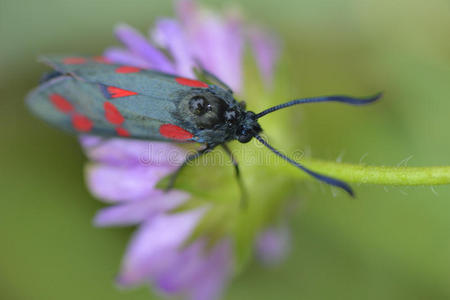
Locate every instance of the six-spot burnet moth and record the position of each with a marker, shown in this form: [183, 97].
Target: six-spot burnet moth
[91, 95]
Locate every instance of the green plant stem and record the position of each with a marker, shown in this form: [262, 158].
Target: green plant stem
[377, 175]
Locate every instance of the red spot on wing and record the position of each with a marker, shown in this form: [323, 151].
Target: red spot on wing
[127, 69]
[112, 114]
[174, 132]
[74, 60]
[191, 82]
[101, 59]
[60, 103]
[115, 92]
[122, 132]
[81, 123]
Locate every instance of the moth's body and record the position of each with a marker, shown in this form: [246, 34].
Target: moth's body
[92, 96]
[85, 96]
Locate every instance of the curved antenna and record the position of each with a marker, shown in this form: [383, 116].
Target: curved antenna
[323, 178]
[343, 99]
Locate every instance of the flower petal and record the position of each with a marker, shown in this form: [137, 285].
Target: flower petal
[139, 45]
[198, 273]
[122, 152]
[266, 49]
[215, 274]
[218, 46]
[156, 246]
[187, 11]
[115, 184]
[125, 57]
[135, 212]
[88, 141]
[179, 274]
[169, 35]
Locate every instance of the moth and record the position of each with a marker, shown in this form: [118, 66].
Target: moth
[89, 95]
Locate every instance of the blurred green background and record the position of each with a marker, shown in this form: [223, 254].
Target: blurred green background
[389, 243]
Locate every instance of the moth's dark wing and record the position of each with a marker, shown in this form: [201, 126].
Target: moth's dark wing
[137, 92]
[79, 107]
[144, 82]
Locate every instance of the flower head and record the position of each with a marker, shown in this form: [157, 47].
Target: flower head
[199, 38]
[156, 254]
[126, 172]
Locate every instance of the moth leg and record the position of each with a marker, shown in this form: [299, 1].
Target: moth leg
[209, 77]
[244, 199]
[188, 159]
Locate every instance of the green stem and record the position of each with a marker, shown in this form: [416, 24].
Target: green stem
[377, 175]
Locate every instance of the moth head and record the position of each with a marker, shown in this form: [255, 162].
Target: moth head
[249, 128]
[209, 111]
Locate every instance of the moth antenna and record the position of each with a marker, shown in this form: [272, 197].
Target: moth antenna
[323, 178]
[343, 99]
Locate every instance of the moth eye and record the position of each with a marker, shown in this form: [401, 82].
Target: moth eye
[198, 105]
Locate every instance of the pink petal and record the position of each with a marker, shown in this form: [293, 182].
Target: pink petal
[126, 57]
[121, 152]
[198, 273]
[88, 141]
[210, 282]
[179, 274]
[156, 246]
[187, 11]
[218, 45]
[136, 212]
[139, 45]
[266, 49]
[169, 35]
[115, 184]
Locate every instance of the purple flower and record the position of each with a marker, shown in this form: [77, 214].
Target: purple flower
[199, 38]
[265, 47]
[156, 254]
[125, 172]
